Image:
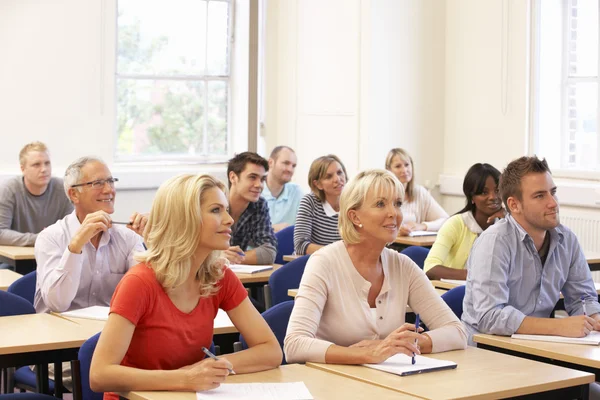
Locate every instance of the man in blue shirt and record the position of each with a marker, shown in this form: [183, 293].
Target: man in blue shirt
[247, 173]
[283, 196]
[519, 266]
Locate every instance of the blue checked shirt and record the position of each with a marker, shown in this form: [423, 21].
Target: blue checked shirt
[254, 229]
[506, 280]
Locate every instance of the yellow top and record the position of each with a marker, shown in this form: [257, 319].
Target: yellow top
[453, 243]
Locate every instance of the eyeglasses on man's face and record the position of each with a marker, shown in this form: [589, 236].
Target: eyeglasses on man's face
[99, 184]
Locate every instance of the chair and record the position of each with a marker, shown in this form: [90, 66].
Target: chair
[25, 286]
[285, 243]
[85, 360]
[416, 253]
[286, 277]
[454, 298]
[277, 318]
[26, 396]
[24, 377]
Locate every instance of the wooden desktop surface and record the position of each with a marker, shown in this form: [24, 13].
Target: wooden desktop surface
[322, 385]
[444, 285]
[480, 374]
[39, 332]
[17, 252]
[579, 354]
[291, 257]
[259, 277]
[7, 277]
[425, 241]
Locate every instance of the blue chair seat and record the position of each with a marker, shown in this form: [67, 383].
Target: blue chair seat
[285, 243]
[454, 298]
[286, 277]
[416, 253]
[25, 376]
[25, 286]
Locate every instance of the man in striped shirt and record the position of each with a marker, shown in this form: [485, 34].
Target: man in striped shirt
[247, 173]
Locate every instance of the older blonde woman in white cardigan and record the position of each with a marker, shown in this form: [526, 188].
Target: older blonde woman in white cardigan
[351, 304]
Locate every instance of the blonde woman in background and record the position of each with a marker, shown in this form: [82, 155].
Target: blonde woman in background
[351, 305]
[162, 311]
[317, 218]
[421, 211]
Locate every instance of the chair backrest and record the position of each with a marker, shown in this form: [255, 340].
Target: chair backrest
[25, 286]
[277, 318]
[416, 253]
[285, 243]
[11, 304]
[454, 298]
[26, 396]
[286, 277]
[85, 360]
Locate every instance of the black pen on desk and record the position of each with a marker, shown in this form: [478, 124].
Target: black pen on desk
[211, 355]
[417, 322]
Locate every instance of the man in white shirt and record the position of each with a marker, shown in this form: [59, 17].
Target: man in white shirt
[82, 257]
[283, 196]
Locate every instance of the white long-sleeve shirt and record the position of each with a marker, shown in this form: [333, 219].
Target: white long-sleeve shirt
[68, 281]
[424, 209]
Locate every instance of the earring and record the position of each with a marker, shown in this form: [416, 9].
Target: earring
[360, 225]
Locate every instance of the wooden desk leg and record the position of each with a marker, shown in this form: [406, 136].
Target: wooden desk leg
[41, 377]
[76, 374]
[58, 381]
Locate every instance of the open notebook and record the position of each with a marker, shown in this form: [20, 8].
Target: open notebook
[401, 364]
[96, 312]
[249, 269]
[257, 391]
[593, 338]
[422, 233]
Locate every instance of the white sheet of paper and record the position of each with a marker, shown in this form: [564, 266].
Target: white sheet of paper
[249, 269]
[401, 363]
[593, 338]
[95, 312]
[257, 391]
[222, 320]
[422, 233]
[455, 281]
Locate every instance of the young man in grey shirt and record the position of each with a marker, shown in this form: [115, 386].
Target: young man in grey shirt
[33, 201]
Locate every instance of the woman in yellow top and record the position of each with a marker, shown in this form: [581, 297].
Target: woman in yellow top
[448, 256]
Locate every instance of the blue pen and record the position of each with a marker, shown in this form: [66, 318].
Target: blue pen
[211, 355]
[417, 322]
[583, 305]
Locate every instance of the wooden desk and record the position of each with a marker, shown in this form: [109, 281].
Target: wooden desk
[259, 277]
[7, 277]
[291, 257]
[480, 374]
[583, 357]
[445, 285]
[22, 258]
[423, 241]
[39, 339]
[593, 260]
[322, 385]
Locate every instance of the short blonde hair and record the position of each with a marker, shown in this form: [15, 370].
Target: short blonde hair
[173, 231]
[33, 146]
[355, 193]
[403, 154]
[317, 171]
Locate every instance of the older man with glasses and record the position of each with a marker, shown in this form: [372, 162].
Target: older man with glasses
[82, 257]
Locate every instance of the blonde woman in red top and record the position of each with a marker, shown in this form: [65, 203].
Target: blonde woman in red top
[162, 311]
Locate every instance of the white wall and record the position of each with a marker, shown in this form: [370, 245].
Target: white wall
[356, 78]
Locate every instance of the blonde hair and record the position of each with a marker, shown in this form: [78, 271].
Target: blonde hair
[355, 193]
[173, 231]
[317, 171]
[33, 146]
[403, 154]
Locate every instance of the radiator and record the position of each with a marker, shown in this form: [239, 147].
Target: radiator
[587, 229]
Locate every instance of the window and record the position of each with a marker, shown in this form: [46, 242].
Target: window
[565, 90]
[173, 80]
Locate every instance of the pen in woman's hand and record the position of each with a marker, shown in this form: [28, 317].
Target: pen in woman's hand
[211, 355]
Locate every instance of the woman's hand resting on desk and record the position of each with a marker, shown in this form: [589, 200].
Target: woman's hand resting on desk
[402, 340]
[206, 374]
